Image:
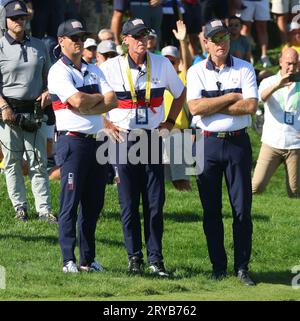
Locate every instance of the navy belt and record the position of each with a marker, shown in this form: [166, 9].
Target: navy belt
[225, 134]
[77, 134]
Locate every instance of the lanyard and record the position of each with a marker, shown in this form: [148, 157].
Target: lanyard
[148, 83]
[282, 101]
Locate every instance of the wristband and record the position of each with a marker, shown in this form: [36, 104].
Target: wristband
[170, 120]
[5, 106]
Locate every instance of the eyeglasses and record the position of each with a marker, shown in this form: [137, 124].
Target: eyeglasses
[15, 18]
[234, 25]
[76, 38]
[220, 39]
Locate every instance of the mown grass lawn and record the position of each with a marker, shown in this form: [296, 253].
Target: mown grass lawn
[31, 256]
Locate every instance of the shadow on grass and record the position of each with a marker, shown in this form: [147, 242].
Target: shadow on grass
[183, 216]
[44, 238]
[271, 277]
[54, 240]
[194, 217]
[186, 216]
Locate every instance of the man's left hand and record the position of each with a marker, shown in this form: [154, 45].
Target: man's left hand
[44, 98]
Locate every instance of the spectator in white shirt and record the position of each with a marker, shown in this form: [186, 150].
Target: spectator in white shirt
[281, 130]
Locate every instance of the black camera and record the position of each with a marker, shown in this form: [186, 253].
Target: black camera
[295, 77]
[31, 125]
[26, 124]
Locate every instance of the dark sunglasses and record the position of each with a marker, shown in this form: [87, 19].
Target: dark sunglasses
[234, 25]
[140, 35]
[109, 54]
[220, 39]
[92, 48]
[18, 18]
[76, 38]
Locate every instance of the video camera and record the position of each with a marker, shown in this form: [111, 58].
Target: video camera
[295, 77]
[31, 125]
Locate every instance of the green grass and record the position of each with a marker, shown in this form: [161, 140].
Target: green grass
[31, 256]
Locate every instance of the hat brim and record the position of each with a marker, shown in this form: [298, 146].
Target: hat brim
[107, 51]
[136, 30]
[91, 46]
[75, 32]
[214, 32]
[17, 13]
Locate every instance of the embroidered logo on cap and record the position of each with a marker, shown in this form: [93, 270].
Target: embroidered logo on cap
[17, 7]
[76, 24]
[137, 22]
[217, 23]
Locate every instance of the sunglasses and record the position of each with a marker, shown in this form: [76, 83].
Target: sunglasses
[109, 54]
[220, 39]
[91, 48]
[76, 38]
[234, 25]
[18, 18]
[141, 35]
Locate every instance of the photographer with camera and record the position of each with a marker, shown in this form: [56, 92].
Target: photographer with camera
[281, 130]
[24, 66]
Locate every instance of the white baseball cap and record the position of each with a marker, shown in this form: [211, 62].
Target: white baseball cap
[294, 25]
[106, 46]
[90, 42]
[170, 51]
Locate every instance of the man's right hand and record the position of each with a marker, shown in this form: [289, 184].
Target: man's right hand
[8, 116]
[234, 97]
[284, 81]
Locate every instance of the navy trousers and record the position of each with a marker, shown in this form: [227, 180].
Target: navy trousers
[82, 185]
[146, 180]
[231, 157]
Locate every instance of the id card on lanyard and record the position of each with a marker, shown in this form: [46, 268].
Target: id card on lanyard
[290, 115]
[142, 112]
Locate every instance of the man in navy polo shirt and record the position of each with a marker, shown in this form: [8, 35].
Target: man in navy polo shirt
[79, 94]
[222, 94]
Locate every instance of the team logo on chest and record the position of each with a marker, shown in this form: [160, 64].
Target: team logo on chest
[155, 80]
[235, 80]
[93, 75]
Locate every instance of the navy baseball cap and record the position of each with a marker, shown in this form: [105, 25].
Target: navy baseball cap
[213, 27]
[70, 27]
[16, 8]
[134, 26]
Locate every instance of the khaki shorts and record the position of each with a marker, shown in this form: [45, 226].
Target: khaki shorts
[177, 157]
[284, 6]
[256, 11]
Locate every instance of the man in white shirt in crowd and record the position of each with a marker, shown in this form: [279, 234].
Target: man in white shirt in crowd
[281, 130]
[89, 50]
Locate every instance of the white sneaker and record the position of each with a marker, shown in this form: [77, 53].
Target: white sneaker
[265, 61]
[93, 267]
[70, 267]
[158, 269]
